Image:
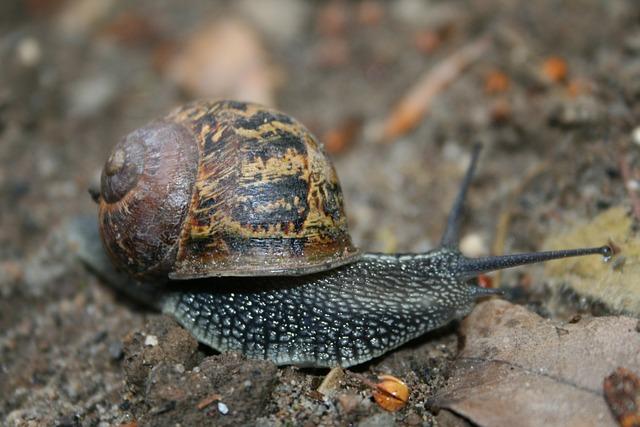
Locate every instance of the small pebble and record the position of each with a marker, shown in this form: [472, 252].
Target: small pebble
[348, 402]
[151, 340]
[29, 52]
[635, 136]
[115, 350]
[413, 419]
[473, 245]
[179, 368]
[576, 318]
[222, 408]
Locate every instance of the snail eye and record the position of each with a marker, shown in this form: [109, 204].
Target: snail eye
[122, 169]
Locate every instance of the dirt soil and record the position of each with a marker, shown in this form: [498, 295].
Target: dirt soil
[553, 100]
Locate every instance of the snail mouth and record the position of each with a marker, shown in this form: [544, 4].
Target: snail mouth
[122, 170]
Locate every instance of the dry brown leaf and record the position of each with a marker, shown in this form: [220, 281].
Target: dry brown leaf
[225, 59]
[517, 368]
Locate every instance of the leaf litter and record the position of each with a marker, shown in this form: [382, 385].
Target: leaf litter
[517, 368]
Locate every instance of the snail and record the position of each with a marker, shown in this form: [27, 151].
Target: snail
[242, 201]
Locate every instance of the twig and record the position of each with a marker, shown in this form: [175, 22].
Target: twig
[418, 100]
[208, 401]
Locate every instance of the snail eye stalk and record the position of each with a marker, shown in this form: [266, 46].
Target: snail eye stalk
[451, 234]
[470, 267]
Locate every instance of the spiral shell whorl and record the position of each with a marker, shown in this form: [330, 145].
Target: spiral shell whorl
[146, 187]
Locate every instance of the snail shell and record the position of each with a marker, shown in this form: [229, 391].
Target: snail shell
[222, 189]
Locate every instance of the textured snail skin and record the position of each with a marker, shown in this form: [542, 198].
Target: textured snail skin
[342, 317]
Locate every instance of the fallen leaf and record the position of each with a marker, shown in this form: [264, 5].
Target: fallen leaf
[225, 59]
[517, 368]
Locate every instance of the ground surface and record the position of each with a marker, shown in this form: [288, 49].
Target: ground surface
[77, 75]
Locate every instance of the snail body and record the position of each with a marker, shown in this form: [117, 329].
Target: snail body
[242, 191]
[344, 316]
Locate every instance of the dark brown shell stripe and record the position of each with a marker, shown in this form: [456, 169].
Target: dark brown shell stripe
[266, 201]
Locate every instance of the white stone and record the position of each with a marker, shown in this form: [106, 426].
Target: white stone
[222, 408]
[29, 51]
[151, 340]
[473, 245]
[635, 136]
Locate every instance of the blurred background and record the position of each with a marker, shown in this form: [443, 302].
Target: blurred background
[77, 75]
[398, 91]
